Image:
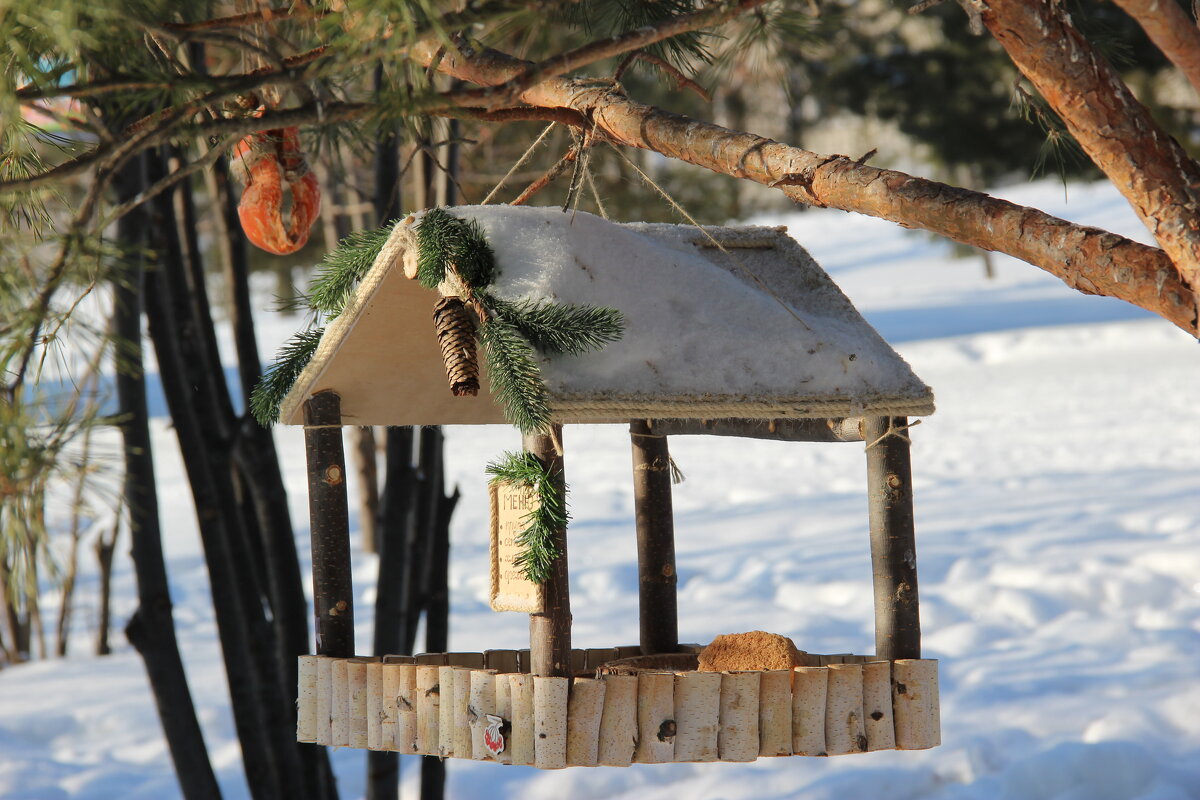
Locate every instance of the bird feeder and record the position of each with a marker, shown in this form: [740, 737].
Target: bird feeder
[728, 332]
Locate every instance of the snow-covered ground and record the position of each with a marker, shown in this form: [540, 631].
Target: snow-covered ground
[1058, 523]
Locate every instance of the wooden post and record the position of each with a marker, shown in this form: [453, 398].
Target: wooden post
[657, 605]
[893, 544]
[550, 629]
[333, 594]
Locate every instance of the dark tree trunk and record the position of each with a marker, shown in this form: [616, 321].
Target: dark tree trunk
[893, 542]
[258, 471]
[395, 520]
[151, 629]
[333, 590]
[105, 548]
[658, 614]
[550, 629]
[270, 755]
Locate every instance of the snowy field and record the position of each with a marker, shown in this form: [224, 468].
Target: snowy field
[1058, 530]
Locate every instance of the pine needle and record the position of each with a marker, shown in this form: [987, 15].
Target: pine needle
[550, 515]
[444, 241]
[559, 327]
[343, 269]
[515, 378]
[279, 378]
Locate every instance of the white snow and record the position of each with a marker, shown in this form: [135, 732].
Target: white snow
[1058, 527]
[748, 322]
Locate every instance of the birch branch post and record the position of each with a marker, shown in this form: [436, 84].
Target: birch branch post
[550, 629]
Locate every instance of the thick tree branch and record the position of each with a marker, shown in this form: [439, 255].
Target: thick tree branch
[1117, 132]
[1088, 259]
[505, 93]
[1172, 31]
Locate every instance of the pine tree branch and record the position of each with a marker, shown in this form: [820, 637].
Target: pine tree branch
[1090, 260]
[510, 90]
[265, 15]
[1172, 31]
[1154, 173]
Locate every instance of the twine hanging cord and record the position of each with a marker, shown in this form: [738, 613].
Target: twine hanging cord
[897, 431]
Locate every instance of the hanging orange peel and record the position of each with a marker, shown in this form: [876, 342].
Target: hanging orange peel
[270, 161]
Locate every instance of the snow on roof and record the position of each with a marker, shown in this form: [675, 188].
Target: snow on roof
[720, 322]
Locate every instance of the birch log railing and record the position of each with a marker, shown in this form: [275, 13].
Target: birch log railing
[488, 707]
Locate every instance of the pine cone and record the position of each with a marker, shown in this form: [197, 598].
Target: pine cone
[456, 335]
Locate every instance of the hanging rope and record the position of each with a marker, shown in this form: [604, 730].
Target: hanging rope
[897, 431]
[666, 196]
[517, 165]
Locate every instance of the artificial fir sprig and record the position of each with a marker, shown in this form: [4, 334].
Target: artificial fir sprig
[514, 376]
[560, 327]
[343, 269]
[511, 332]
[445, 242]
[277, 381]
[536, 541]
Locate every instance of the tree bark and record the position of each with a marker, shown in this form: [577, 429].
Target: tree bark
[550, 629]
[1172, 31]
[658, 606]
[151, 628]
[105, 548]
[1157, 177]
[333, 591]
[893, 541]
[1087, 259]
[270, 754]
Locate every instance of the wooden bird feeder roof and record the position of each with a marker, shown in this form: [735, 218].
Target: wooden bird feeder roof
[719, 322]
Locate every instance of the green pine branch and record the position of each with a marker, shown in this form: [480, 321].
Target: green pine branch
[445, 241]
[343, 269]
[538, 549]
[278, 379]
[560, 327]
[514, 376]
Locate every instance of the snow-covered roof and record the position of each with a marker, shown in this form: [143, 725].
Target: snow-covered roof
[719, 322]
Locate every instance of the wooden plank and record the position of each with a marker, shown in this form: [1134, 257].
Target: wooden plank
[656, 718]
[915, 703]
[877, 705]
[500, 660]
[836, 429]
[697, 715]
[550, 703]
[618, 723]
[844, 730]
[737, 739]
[584, 712]
[809, 688]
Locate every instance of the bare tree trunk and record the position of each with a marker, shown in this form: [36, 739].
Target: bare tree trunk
[72, 569]
[363, 454]
[269, 750]
[19, 650]
[106, 547]
[257, 463]
[1087, 259]
[151, 629]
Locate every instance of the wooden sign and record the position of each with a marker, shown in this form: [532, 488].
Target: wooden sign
[511, 591]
